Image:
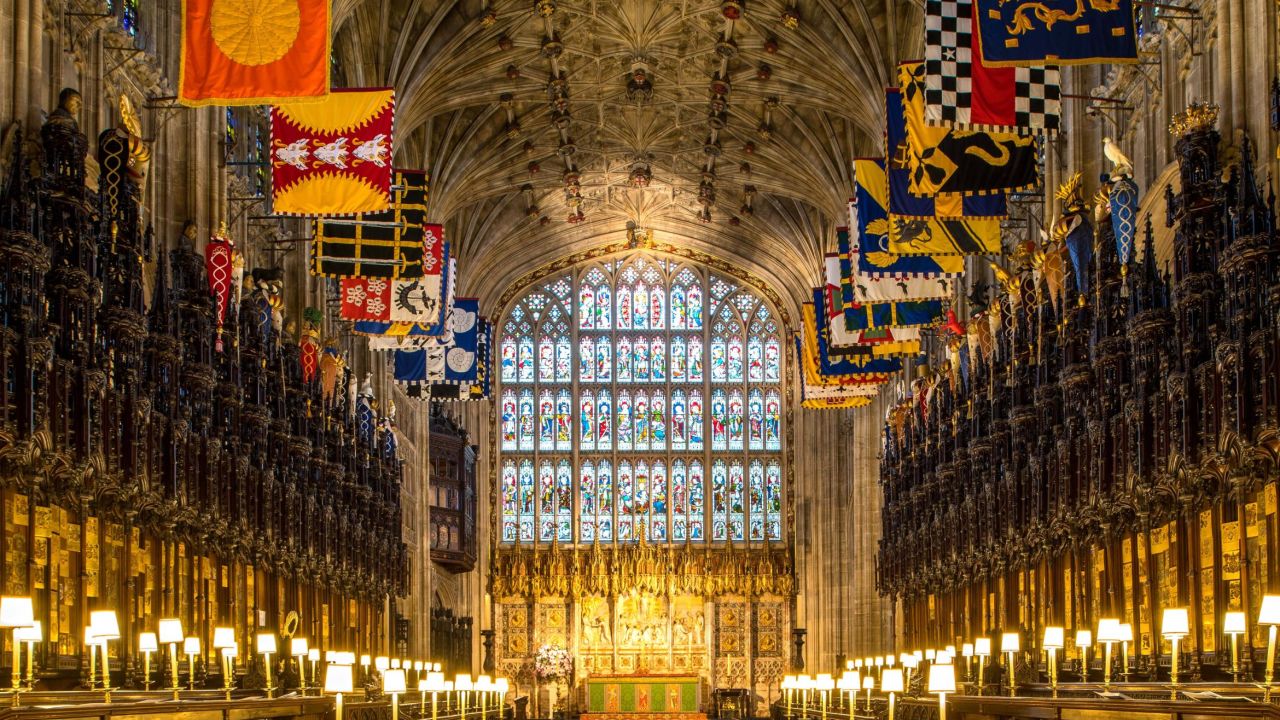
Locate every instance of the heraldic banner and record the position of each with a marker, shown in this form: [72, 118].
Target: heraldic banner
[253, 52]
[333, 157]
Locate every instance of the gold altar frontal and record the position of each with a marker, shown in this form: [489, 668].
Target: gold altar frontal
[630, 697]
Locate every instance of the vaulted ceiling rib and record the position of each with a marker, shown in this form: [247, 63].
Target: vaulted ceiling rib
[729, 134]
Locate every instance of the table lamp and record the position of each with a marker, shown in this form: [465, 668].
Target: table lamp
[1108, 634]
[891, 682]
[909, 664]
[1010, 645]
[30, 635]
[1126, 637]
[267, 648]
[966, 651]
[105, 629]
[1269, 614]
[298, 649]
[170, 630]
[223, 638]
[982, 649]
[435, 686]
[462, 685]
[942, 680]
[868, 684]
[393, 683]
[824, 684]
[1233, 624]
[382, 663]
[365, 662]
[313, 657]
[1054, 640]
[191, 648]
[16, 612]
[337, 680]
[848, 684]
[502, 686]
[1084, 641]
[1175, 625]
[147, 644]
[229, 655]
[786, 686]
[930, 654]
[395, 663]
[483, 686]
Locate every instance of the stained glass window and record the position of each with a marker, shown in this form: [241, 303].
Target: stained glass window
[662, 427]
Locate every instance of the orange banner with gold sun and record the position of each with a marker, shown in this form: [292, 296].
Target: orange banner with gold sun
[333, 157]
[253, 52]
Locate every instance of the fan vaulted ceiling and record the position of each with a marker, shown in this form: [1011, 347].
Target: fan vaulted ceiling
[549, 125]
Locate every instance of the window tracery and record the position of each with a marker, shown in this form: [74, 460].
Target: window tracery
[618, 434]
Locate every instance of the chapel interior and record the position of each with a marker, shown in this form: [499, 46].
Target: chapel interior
[639, 359]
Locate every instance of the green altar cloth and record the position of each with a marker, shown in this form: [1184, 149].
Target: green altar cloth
[643, 694]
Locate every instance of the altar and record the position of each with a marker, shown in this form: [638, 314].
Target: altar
[629, 697]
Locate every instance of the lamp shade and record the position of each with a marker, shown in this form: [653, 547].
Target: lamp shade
[888, 661]
[147, 642]
[1108, 630]
[448, 686]
[1010, 642]
[1269, 613]
[191, 646]
[266, 643]
[313, 654]
[393, 681]
[851, 680]
[382, 663]
[345, 658]
[502, 685]
[435, 682]
[966, 650]
[982, 647]
[1233, 623]
[366, 660]
[1054, 637]
[1175, 623]
[223, 637]
[298, 647]
[16, 612]
[435, 668]
[891, 680]
[930, 654]
[33, 633]
[868, 682]
[463, 682]
[417, 666]
[942, 657]
[1084, 638]
[1126, 632]
[105, 625]
[826, 683]
[395, 663]
[951, 650]
[337, 679]
[918, 655]
[170, 630]
[942, 678]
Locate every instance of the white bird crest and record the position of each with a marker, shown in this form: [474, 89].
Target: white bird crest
[334, 153]
[295, 154]
[374, 151]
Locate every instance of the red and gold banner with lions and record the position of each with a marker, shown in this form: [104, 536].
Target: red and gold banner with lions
[333, 157]
[253, 52]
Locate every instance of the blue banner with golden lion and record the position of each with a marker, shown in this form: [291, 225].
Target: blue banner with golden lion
[1064, 32]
